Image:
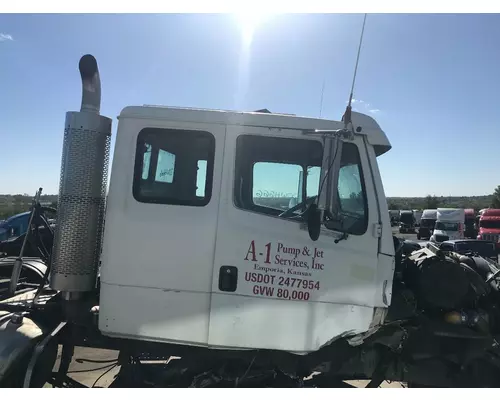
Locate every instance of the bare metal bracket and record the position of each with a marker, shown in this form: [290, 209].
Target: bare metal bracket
[38, 351]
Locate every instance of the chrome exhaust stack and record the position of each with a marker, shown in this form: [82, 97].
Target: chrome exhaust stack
[82, 190]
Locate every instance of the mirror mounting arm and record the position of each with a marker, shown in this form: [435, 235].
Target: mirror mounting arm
[327, 191]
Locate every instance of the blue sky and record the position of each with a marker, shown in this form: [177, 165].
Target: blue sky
[434, 79]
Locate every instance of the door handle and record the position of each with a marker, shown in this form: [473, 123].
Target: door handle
[228, 278]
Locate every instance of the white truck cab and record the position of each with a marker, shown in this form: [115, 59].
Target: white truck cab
[255, 247]
[450, 224]
[418, 216]
[201, 247]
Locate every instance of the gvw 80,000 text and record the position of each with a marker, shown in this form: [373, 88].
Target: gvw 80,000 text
[280, 293]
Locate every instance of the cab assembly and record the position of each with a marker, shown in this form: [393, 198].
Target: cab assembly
[254, 248]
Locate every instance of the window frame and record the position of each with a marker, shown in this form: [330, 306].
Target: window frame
[366, 218]
[167, 200]
[238, 197]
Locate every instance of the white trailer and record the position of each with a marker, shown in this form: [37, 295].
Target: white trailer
[417, 214]
[450, 224]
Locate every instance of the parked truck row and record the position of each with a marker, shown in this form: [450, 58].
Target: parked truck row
[442, 224]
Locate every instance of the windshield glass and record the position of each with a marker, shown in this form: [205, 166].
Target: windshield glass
[4, 234]
[483, 248]
[489, 224]
[427, 223]
[406, 218]
[291, 180]
[447, 226]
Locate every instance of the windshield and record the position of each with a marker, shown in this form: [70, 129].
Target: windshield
[4, 234]
[427, 223]
[447, 226]
[483, 248]
[489, 224]
[406, 218]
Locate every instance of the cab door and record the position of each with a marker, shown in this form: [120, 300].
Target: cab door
[161, 223]
[273, 287]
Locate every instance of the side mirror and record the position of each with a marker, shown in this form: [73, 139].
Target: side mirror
[314, 221]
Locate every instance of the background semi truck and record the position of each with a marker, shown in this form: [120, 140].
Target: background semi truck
[449, 224]
[470, 220]
[427, 224]
[417, 214]
[394, 215]
[406, 221]
[489, 225]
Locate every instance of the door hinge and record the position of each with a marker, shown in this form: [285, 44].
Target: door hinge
[377, 230]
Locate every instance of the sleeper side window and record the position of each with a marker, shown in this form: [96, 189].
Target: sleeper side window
[174, 166]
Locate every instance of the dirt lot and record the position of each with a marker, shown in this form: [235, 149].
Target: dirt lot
[89, 378]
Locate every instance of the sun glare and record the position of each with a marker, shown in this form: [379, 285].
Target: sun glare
[248, 22]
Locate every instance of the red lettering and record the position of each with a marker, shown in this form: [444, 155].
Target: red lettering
[268, 254]
[251, 249]
[285, 294]
[318, 266]
[269, 291]
[318, 253]
[259, 278]
[248, 276]
[263, 291]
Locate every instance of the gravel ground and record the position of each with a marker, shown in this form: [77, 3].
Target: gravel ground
[89, 378]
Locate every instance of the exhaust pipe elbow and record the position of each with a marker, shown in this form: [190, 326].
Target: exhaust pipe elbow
[91, 84]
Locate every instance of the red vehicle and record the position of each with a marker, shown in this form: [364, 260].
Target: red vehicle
[489, 226]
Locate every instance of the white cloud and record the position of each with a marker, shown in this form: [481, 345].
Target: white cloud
[364, 107]
[5, 36]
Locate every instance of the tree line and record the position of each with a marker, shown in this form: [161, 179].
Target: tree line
[18, 203]
[433, 202]
[15, 204]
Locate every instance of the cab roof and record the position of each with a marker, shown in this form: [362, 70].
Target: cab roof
[17, 216]
[491, 212]
[363, 124]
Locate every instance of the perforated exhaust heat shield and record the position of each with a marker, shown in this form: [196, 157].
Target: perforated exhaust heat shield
[82, 189]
